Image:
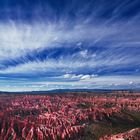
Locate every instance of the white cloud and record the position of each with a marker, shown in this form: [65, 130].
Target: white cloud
[131, 82]
[72, 76]
[86, 77]
[18, 39]
[69, 64]
[84, 53]
[79, 43]
[79, 76]
[96, 82]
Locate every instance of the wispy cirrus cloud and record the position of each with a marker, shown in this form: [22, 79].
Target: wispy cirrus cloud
[18, 39]
[82, 40]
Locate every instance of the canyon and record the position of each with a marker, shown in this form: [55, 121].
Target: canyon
[70, 116]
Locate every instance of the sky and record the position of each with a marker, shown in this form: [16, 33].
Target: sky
[69, 44]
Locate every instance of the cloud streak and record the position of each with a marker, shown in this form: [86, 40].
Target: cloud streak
[78, 43]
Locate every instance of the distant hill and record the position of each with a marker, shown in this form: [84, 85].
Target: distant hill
[70, 91]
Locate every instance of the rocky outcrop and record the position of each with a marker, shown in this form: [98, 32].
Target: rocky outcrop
[34, 117]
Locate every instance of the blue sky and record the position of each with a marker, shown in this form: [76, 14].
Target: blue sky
[56, 44]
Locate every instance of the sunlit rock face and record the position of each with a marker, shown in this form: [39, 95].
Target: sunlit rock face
[67, 116]
[132, 134]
